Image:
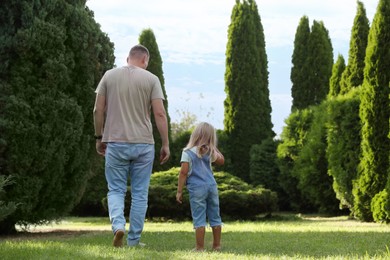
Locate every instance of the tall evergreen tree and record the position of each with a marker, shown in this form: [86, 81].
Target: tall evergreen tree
[374, 113]
[337, 71]
[354, 72]
[148, 39]
[319, 63]
[300, 85]
[264, 110]
[53, 54]
[312, 64]
[247, 106]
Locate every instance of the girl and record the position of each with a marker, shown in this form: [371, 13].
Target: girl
[197, 174]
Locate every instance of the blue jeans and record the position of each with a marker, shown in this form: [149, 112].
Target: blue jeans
[204, 202]
[124, 160]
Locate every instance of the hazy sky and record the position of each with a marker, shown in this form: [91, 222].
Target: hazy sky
[192, 37]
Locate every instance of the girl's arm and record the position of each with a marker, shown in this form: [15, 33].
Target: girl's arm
[220, 159]
[181, 181]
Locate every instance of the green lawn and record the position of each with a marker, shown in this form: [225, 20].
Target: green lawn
[281, 238]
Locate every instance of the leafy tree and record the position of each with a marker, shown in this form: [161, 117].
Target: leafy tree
[148, 39]
[187, 123]
[374, 113]
[300, 84]
[343, 149]
[338, 69]
[53, 54]
[247, 106]
[354, 72]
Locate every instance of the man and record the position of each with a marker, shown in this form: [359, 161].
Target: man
[123, 133]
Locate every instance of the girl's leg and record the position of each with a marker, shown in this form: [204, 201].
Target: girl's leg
[214, 216]
[199, 234]
[198, 205]
[216, 238]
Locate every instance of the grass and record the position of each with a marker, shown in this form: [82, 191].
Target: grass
[279, 238]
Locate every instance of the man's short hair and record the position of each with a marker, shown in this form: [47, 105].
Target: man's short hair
[138, 51]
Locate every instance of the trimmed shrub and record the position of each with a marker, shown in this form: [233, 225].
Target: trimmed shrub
[380, 207]
[162, 196]
[237, 199]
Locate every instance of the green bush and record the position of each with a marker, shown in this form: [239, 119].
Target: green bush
[343, 144]
[311, 166]
[293, 139]
[380, 207]
[237, 198]
[263, 165]
[162, 196]
[5, 208]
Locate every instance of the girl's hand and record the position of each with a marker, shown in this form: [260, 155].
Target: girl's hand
[179, 197]
[219, 158]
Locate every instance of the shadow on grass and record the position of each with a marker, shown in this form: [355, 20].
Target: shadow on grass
[55, 233]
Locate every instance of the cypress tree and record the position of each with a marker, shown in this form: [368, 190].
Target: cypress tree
[53, 54]
[298, 76]
[354, 72]
[312, 64]
[337, 70]
[264, 110]
[247, 107]
[318, 65]
[374, 114]
[148, 39]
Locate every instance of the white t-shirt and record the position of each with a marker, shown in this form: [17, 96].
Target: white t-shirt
[129, 91]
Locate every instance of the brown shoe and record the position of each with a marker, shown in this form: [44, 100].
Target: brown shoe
[118, 238]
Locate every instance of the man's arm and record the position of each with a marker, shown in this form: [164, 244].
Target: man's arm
[160, 117]
[98, 120]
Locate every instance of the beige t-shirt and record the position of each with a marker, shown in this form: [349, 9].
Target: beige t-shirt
[129, 91]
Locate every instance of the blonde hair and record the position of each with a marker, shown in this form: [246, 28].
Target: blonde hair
[204, 138]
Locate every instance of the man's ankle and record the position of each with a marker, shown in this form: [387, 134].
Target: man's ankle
[118, 238]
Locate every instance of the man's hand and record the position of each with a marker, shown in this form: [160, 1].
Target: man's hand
[100, 147]
[164, 154]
